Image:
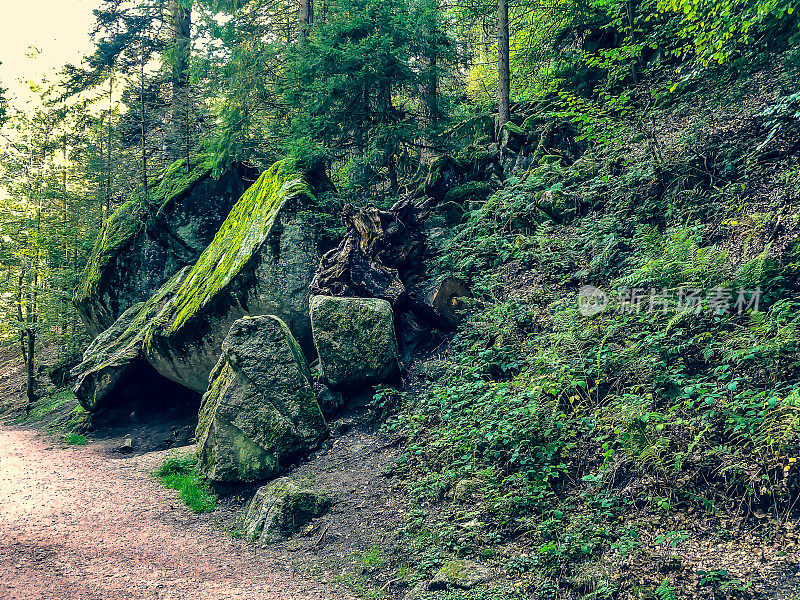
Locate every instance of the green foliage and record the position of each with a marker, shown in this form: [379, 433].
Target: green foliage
[178, 473]
[47, 405]
[357, 571]
[550, 428]
[714, 29]
[500, 592]
[75, 439]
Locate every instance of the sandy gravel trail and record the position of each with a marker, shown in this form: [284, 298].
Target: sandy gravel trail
[78, 524]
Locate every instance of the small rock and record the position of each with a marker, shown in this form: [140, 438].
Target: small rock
[282, 508]
[459, 574]
[466, 489]
[330, 400]
[126, 447]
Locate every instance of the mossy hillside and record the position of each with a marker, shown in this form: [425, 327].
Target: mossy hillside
[240, 236]
[133, 217]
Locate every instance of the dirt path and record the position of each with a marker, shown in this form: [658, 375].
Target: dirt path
[76, 524]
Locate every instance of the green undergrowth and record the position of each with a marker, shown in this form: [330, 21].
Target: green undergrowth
[178, 473]
[501, 592]
[565, 449]
[246, 227]
[46, 405]
[358, 571]
[59, 413]
[75, 439]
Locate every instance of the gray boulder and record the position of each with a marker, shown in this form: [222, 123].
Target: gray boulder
[118, 349]
[144, 243]
[459, 574]
[281, 509]
[261, 261]
[259, 412]
[355, 340]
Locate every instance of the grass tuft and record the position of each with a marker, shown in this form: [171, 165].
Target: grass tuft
[75, 439]
[177, 473]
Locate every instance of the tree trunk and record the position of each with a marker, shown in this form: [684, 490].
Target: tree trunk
[142, 123]
[503, 66]
[181, 26]
[107, 195]
[30, 380]
[305, 18]
[428, 89]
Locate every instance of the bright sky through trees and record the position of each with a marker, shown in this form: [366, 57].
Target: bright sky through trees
[58, 29]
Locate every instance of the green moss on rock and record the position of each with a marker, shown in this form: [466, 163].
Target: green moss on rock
[355, 339]
[281, 509]
[114, 350]
[148, 239]
[476, 191]
[261, 261]
[246, 227]
[260, 412]
[132, 217]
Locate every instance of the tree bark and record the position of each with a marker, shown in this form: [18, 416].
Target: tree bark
[429, 87]
[503, 65]
[142, 123]
[181, 26]
[305, 18]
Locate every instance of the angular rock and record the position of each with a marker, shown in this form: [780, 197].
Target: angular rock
[260, 412]
[281, 509]
[261, 261]
[441, 301]
[330, 400]
[144, 243]
[467, 489]
[355, 340]
[460, 574]
[119, 348]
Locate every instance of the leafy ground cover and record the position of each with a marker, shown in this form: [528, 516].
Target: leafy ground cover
[590, 454]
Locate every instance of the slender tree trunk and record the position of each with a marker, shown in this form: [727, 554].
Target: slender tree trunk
[429, 88]
[305, 18]
[65, 238]
[21, 317]
[181, 25]
[142, 124]
[107, 195]
[30, 331]
[503, 65]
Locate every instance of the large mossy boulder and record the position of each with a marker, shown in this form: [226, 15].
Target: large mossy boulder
[281, 509]
[118, 350]
[145, 242]
[261, 261]
[355, 340]
[259, 413]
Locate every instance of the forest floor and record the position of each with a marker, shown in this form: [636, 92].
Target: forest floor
[90, 521]
[78, 523]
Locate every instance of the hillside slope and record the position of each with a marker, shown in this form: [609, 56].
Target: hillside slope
[640, 441]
